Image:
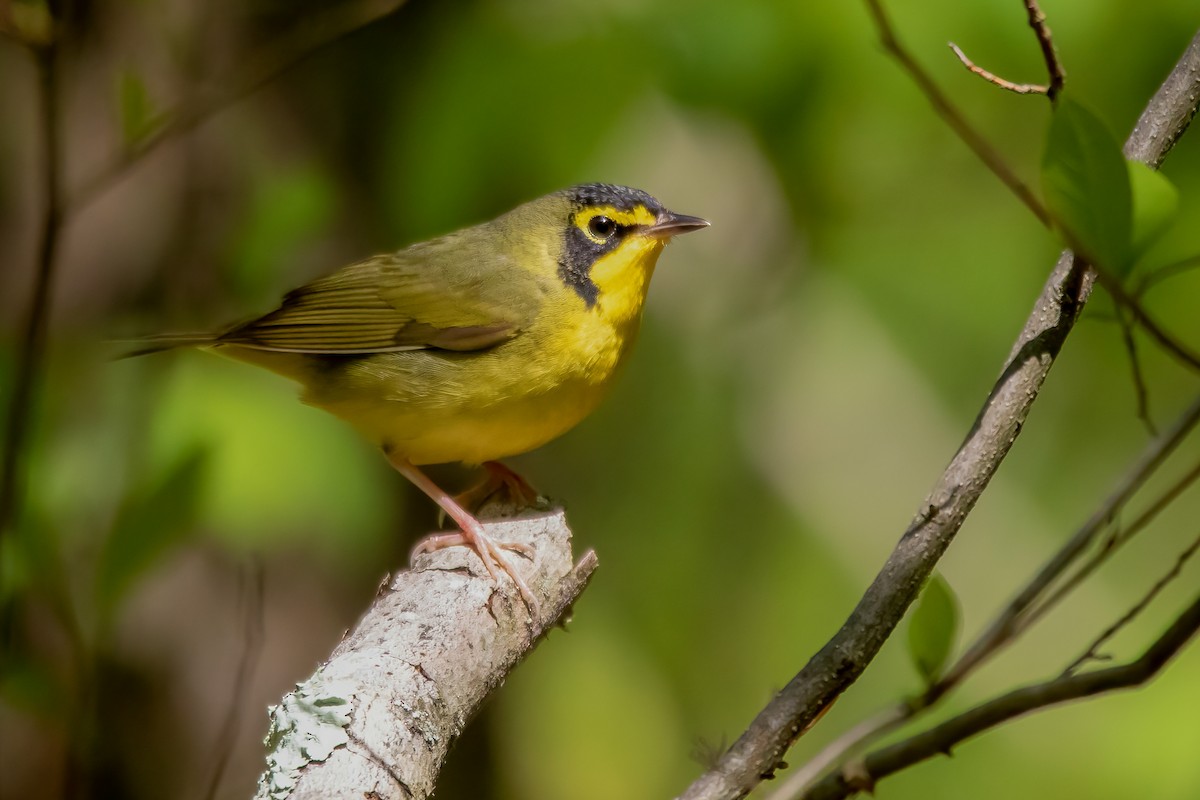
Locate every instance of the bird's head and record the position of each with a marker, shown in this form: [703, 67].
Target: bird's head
[611, 239]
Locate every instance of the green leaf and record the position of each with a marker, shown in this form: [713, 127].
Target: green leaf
[139, 118]
[933, 628]
[150, 524]
[1155, 206]
[1087, 188]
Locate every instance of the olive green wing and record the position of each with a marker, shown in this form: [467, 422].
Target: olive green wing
[427, 296]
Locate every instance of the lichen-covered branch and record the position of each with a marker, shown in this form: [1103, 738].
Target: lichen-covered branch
[378, 717]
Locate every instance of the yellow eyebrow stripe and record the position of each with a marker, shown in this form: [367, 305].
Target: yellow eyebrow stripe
[625, 218]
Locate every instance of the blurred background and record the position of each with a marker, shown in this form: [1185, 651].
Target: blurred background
[806, 368]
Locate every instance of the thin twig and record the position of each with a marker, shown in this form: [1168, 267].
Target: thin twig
[991, 77]
[1114, 542]
[757, 752]
[1058, 76]
[941, 739]
[953, 117]
[253, 582]
[851, 741]
[313, 33]
[1016, 616]
[1092, 653]
[1037, 21]
[1152, 279]
[1141, 395]
[32, 347]
[1182, 353]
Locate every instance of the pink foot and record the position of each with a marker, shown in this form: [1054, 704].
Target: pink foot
[471, 533]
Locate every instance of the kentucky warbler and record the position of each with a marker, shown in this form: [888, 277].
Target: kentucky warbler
[474, 346]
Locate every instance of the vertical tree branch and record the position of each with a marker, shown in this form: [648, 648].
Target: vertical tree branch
[1037, 21]
[31, 347]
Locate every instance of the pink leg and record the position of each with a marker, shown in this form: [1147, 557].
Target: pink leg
[472, 534]
[502, 483]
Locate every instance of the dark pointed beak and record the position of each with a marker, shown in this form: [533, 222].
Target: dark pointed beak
[670, 224]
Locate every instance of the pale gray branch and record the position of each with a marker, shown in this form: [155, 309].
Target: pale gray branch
[378, 717]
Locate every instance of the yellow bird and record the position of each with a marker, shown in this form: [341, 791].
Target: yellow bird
[474, 346]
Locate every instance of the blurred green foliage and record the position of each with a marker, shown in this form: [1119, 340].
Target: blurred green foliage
[806, 369]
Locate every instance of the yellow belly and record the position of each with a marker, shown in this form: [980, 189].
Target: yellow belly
[468, 432]
[433, 406]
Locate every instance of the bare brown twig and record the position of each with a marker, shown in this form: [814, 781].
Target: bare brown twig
[1058, 76]
[1152, 279]
[852, 741]
[991, 77]
[1114, 542]
[1140, 392]
[988, 154]
[1037, 21]
[947, 111]
[1093, 651]
[1181, 352]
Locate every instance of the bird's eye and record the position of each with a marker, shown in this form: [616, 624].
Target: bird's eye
[602, 227]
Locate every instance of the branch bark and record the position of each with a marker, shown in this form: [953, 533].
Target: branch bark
[378, 717]
[758, 752]
[941, 739]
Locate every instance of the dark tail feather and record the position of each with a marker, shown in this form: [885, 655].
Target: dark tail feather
[166, 341]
